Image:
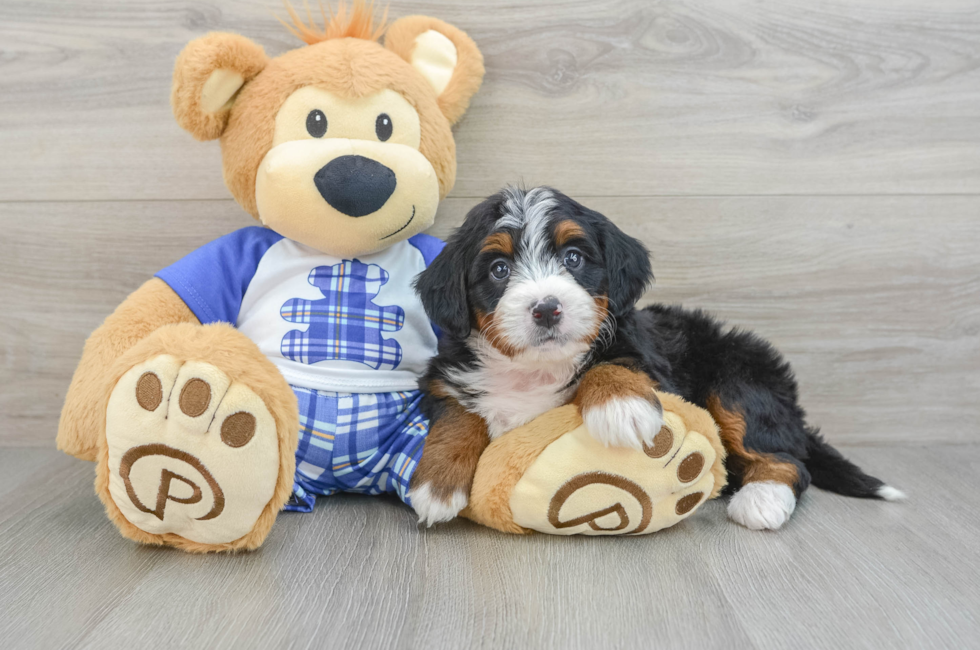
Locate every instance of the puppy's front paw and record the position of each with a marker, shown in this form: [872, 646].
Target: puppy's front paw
[624, 422]
[432, 508]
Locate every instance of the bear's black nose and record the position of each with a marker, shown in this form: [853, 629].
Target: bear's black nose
[355, 185]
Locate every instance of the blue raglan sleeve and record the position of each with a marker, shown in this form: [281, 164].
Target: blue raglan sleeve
[428, 245]
[212, 280]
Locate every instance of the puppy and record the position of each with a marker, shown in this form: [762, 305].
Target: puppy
[535, 296]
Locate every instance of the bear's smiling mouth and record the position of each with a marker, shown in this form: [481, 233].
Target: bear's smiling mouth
[403, 227]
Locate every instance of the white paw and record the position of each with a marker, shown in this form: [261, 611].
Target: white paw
[624, 422]
[432, 510]
[189, 452]
[762, 505]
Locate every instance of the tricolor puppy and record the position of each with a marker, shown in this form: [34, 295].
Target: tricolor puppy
[535, 295]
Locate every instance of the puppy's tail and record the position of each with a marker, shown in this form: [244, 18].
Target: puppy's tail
[829, 470]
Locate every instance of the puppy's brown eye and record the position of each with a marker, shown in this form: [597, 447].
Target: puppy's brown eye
[573, 259]
[316, 123]
[383, 126]
[499, 270]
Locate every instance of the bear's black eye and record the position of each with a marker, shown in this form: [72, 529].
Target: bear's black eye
[573, 259]
[499, 270]
[316, 123]
[382, 126]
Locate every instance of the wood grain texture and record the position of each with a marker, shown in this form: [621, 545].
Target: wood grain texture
[358, 573]
[873, 299]
[608, 97]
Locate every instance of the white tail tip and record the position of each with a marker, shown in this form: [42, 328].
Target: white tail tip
[888, 493]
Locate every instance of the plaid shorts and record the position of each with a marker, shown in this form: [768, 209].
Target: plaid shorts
[356, 442]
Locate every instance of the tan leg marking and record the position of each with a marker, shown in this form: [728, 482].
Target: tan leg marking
[607, 382]
[452, 450]
[753, 466]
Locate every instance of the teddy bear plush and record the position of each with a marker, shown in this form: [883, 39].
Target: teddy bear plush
[280, 362]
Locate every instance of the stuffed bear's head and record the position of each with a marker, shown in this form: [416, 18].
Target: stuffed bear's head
[343, 145]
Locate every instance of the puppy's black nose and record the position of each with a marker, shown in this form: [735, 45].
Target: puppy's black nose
[355, 185]
[547, 313]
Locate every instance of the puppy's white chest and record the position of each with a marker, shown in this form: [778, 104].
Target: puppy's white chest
[515, 397]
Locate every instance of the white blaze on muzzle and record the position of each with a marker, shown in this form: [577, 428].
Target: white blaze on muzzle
[514, 320]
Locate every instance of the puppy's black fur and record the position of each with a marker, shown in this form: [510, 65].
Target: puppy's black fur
[686, 352]
[689, 353]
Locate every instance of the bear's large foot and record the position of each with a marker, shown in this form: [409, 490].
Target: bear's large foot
[192, 455]
[190, 452]
[592, 489]
[554, 476]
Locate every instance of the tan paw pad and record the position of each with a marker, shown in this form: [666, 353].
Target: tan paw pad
[195, 397]
[238, 429]
[690, 468]
[687, 503]
[663, 442]
[149, 391]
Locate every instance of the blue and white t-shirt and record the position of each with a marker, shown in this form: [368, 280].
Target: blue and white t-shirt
[347, 325]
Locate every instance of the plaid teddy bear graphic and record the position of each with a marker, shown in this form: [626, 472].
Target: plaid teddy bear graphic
[345, 325]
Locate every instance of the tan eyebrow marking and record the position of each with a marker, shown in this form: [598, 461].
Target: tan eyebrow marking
[566, 231]
[499, 242]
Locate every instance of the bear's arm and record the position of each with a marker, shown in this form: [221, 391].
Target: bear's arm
[147, 309]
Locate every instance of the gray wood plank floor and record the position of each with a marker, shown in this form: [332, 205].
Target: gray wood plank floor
[357, 573]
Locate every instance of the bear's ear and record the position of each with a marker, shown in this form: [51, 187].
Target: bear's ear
[208, 74]
[445, 56]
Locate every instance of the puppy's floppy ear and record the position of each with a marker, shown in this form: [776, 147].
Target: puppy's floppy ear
[445, 56]
[442, 289]
[627, 268]
[208, 74]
